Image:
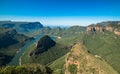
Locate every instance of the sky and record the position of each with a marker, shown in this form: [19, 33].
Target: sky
[60, 12]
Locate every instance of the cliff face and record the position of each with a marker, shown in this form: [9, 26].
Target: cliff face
[99, 28]
[117, 31]
[43, 45]
[80, 61]
[94, 28]
[108, 26]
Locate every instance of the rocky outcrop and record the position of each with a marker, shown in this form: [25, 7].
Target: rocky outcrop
[109, 27]
[117, 32]
[80, 61]
[101, 27]
[43, 45]
[95, 28]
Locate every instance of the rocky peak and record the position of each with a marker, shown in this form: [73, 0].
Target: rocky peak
[43, 45]
[80, 61]
[109, 27]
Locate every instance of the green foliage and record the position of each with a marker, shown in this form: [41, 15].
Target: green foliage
[46, 57]
[105, 45]
[26, 69]
[58, 65]
[72, 69]
[11, 42]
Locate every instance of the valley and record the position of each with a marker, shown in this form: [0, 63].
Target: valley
[74, 50]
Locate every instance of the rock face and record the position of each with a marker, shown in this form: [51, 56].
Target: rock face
[43, 45]
[80, 61]
[95, 28]
[101, 27]
[109, 27]
[117, 32]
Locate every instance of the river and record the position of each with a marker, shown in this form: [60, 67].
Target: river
[15, 60]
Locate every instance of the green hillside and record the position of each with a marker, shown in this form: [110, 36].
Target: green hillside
[26, 69]
[10, 43]
[78, 61]
[105, 45]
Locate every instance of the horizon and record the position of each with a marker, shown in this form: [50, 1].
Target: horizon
[62, 21]
[60, 12]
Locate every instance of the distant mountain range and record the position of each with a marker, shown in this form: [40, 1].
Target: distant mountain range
[21, 26]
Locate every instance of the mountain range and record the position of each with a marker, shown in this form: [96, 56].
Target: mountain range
[93, 49]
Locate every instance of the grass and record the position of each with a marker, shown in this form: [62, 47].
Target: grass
[61, 48]
[58, 65]
[25, 58]
[105, 45]
[72, 69]
[87, 63]
[26, 69]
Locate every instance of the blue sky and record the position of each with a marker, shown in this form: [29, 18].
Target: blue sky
[60, 12]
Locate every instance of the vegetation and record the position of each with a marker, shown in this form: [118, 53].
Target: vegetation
[62, 46]
[58, 65]
[58, 31]
[106, 45]
[99, 48]
[45, 57]
[72, 69]
[22, 27]
[26, 69]
[11, 42]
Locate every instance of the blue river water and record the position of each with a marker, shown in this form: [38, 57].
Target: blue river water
[15, 60]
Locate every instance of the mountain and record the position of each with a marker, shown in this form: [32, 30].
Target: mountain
[80, 61]
[88, 50]
[43, 45]
[10, 43]
[45, 51]
[58, 31]
[105, 45]
[21, 26]
[112, 26]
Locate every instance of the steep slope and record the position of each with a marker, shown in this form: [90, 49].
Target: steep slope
[111, 26]
[106, 45]
[80, 61]
[10, 42]
[43, 45]
[44, 56]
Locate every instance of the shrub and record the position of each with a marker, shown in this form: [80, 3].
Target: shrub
[72, 69]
